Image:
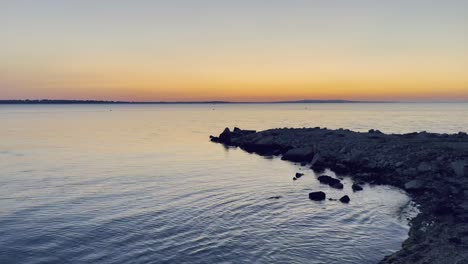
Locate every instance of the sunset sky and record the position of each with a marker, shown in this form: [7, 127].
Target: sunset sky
[255, 50]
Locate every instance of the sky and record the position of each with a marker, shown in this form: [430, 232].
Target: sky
[242, 50]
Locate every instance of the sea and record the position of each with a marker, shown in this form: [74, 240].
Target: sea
[131, 183]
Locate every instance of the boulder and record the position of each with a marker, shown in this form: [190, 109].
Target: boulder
[299, 154]
[327, 180]
[414, 185]
[225, 136]
[317, 196]
[356, 187]
[460, 167]
[337, 185]
[345, 199]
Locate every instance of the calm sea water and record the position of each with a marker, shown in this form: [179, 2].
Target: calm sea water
[142, 184]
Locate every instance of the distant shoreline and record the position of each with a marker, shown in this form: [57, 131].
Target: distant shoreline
[47, 101]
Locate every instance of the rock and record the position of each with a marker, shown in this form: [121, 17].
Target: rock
[455, 240]
[460, 167]
[299, 154]
[337, 185]
[317, 196]
[443, 209]
[274, 197]
[298, 174]
[225, 136]
[345, 199]
[414, 185]
[327, 180]
[356, 187]
[424, 167]
[294, 178]
[374, 131]
[399, 164]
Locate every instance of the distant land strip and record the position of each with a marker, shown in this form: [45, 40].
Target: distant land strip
[48, 101]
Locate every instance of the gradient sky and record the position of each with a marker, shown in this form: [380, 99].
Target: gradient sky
[255, 50]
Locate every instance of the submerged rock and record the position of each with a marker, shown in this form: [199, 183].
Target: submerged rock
[274, 197]
[317, 196]
[356, 187]
[345, 199]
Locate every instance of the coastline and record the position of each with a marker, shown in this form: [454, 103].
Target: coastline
[432, 168]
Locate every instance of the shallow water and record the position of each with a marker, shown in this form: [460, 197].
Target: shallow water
[142, 184]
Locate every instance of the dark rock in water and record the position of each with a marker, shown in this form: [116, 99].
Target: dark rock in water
[317, 196]
[325, 179]
[274, 197]
[299, 154]
[356, 187]
[345, 199]
[298, 174]
[414, 186]
[225, 136]
[294, 178]
[337, 185]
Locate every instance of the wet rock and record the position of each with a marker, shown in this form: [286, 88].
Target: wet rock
[317, 196]
[315, 159]
[414, 185]
[345, 199]
[337, 185]
[298, 174]
[424, 167]
[299, 154]
[460, 167]
[356, 187]
[274, 197]
[327, 180]
[225, 136]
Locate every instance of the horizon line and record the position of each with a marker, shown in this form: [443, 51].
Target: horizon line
[93, 101]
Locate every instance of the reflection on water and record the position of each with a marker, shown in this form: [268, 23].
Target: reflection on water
[142, 183]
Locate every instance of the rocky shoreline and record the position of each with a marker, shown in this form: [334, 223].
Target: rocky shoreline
[432, 168]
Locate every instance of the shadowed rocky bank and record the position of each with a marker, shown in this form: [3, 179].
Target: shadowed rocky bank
[432, 168]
